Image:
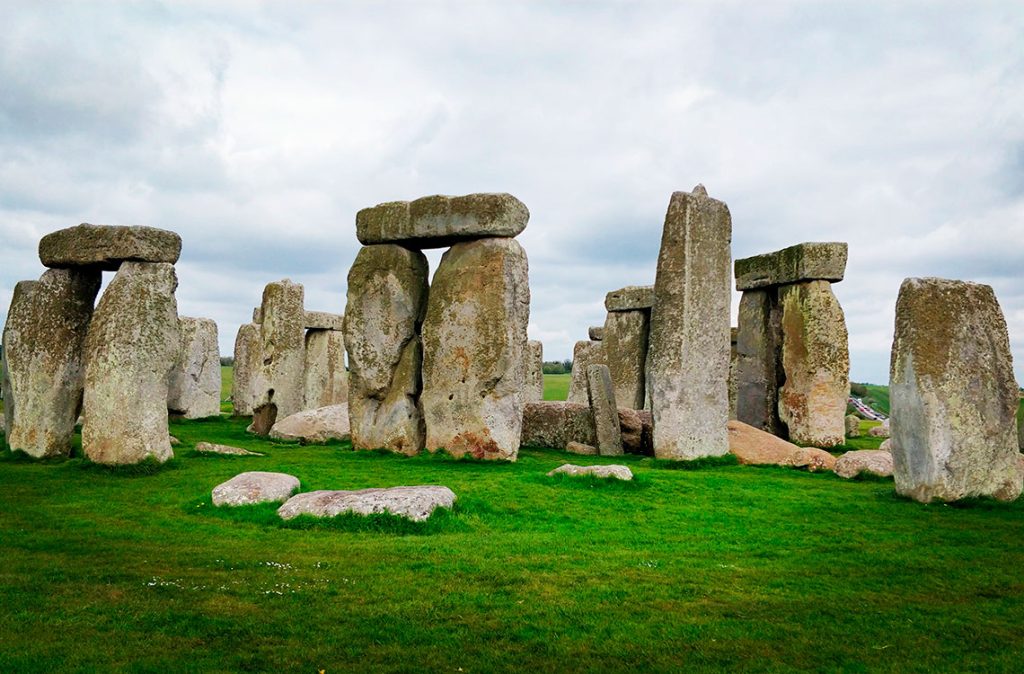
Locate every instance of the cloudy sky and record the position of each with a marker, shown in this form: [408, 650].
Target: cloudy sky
[257, 130]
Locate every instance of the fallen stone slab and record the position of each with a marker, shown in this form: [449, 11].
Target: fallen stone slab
[630, 298]
[874, 461]
[414, 503]
[314, 426]
[596, 333]
[803, 262]
[322, 320]
[618, 472]
[212, 448]
[107, 246]
[255, 487]
[581, 448]
[754, 447]
[440, 221]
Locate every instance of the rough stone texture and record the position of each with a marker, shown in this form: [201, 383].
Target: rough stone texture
[886, 445]
[278, 384]
[107, 246]
[255, 487]
[873, 461]
[734, 358]
[584, 354]
[314, 426]
[387, 298]
[414, 503]
[133, 343]
[257, 315]
[852, 426]
[625, 352]
[174, 441]
[952, 393]
[554, 424]
[753, 446]
[596, 333]
[1020, 434]
[580, 448]
[193, 389]
[248, 361]
[618, 472]
[533, 386]
[796, 264]
[816, 363]
[326, 379]
[688, 363]
[322, 320]
[43, 359]
[631, 427]
[440, 221]
[605, 410]
[630, 298]
[880, 431]
[474, 343]
[758, 370]
[213, 448]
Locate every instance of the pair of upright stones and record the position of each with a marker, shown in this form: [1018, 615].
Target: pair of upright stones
[113, 362]
[288, 359]
[793, 362]
[444, 366]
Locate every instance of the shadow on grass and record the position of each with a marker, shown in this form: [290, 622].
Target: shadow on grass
[706, 462]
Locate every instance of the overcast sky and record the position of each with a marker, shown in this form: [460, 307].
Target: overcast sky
[256, 131]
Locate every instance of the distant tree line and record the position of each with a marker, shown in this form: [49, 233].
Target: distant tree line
[557, 367]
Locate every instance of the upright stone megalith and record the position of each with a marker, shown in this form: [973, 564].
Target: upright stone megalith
[953, 396]
[758, 366]
[132, 344]
[19, 310]
[387, 298]
[533, 384]
[278, 386]
[584, 354]
[326, 380]
[248, 361]
[625, 351]
[688, 363]
[474, 342]
[193, 390]
[605, 410]
[44, 342]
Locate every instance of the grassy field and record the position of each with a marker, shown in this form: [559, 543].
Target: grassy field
[556, 386]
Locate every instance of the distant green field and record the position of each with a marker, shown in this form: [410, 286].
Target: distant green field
[556, 386]
[878, 397]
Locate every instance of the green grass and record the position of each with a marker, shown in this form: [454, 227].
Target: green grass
[877, 397]
[724, 567]
[556, 386]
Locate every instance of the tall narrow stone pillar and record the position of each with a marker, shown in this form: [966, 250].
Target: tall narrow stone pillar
[326, 380]
[625, 341]
[533, 386]
[758, 370]
[248, 362]
[605, 410]
[278, 385]
[584, 354]
[195, 382]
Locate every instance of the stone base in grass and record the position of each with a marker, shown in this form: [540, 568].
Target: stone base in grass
[414, 503]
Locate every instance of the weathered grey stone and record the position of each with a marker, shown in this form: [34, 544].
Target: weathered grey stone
[387, 298]
[688, 363]
[248, 362]
[556, 423]
[314, 426]
[213, 448]
[20, 306]
[625, 352]
[474, 342]
[596, 333]
[605, 410]
[133, 343]
[326, 379]
[886, 445]
[874, 461]
[582, 449]
[852, 426]
[796, 264]
[952, 394]
[618, 472]
[584, 354]
[193, 389]
[816, 363]
[631, 427]
[322, 320]
[441, 221]
[257, 315]
[414, 503]
[107, 246]
[752, 446]
[278, 389]
[758, 366]
[533, 385]
[255, 487]
[43, 357]
[879, 431]
[733, 365]
[630, 298]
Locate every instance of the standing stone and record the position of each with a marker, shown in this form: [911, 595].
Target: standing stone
[758, 369]
[816, 363]
[584, 354]
[852, 426]
[689, 344]
[625, 352]
[733, 364]
[43, 354]
[248, 362]
[278, 385]
[19, 311]
[474, 342]
[952, 393]
[193, 389]
[326, 376]
[605, 410]
[132, 345]
[533, 387]
[387, 298]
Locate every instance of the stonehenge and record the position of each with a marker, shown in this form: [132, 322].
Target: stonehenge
[533, 383]
[605, 410]
[584, 354]
[625, 339]
[247, 361]
[194, 384]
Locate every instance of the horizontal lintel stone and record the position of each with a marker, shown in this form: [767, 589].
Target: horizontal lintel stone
[814, 261]
[630, 298]
[439, 221]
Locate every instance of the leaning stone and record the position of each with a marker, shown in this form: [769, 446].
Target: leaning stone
[625, 352]
[580, 448]
[325, 376]
[688, 365]
[132, 345]
[474, 343]
[43, 354]
[873, 461]
[596, 333]
[879, 431]
[441, 221]
[953, 394]
[758, 366]
[605, 410]
[584, 354]
[212, 448]
[322, 320]
[413, 503]
[314, 426]
[754, 447]
[193, 389]
[278, 385]
[555, 423]
[796, 264]
[248, 362]
[387, 298]
[533, 385]
[107, 246]
[630, 298]
[255, 487]
[852, 426]
[618, 472]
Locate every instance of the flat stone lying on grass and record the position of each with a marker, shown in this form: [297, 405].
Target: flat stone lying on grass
[414, 503]
[255, 487]
[212, 448]
[107, 246]
[755, 447]
[618, 472]
[440, 221]
[881, 431]
[874, 461]
[581, 448]
[314, 426]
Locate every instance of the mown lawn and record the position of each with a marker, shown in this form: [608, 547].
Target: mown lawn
[556, 386]
[725, 567]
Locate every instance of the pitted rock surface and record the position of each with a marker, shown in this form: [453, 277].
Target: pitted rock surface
[440, 221]
[414, 503]
[314, 426]
[107, 246]
[874, 461]
[803, 262]
[255, 487]
[326, 379]
[613, 471]
[630, 298]
[248, 362]
[213, 448]
[193, 389]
